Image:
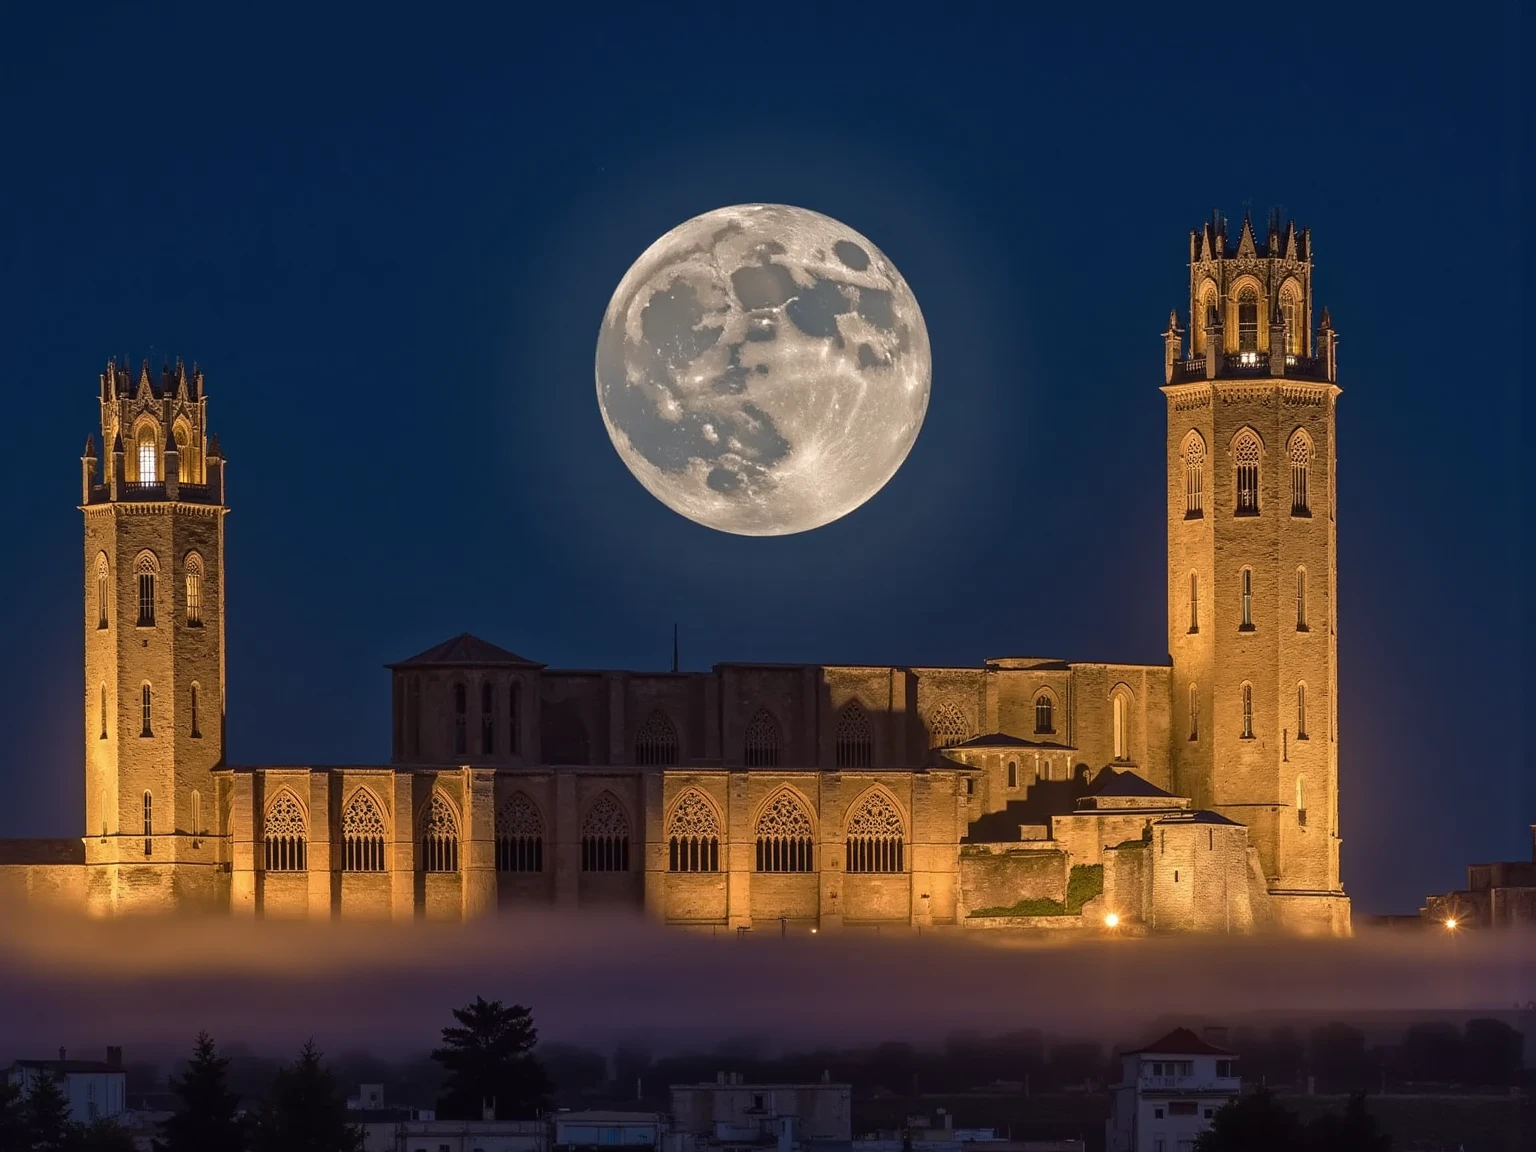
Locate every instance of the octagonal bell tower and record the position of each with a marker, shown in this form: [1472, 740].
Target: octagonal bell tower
[1252, 545]
[154, 644]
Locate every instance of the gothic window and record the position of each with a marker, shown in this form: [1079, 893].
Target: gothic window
[656, 740]
[519, 836]
[1247, 711]
[145, 442]
[1194, 477]
[1194, 713]
[854, 746]
[183, 457]
[194, 591]
[1045, 722]
[1290, 314]
[514, 716]
[1247, 319]
[362, 835]
[197, 812]
[103, 710]
[439, 836]
[1246, 453]
[285, 835]
[103, 591]
[1194, 602]
[1013, 773]
[1247, 600]
[1122, 736]
[197, 732]
[876, 836]
[460, 720]
[1301, 801]
[605, 836]
[146, 571]
[693, 835]
[947, 726]
[1301, 711]
[149, 824]
[1301, 456]
[487, 719]
[1301, 600]
[761, 745]
[145, 697]
[784, 839]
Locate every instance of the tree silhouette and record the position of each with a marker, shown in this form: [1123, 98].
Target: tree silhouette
[100, 1136]
[1253, 1123]
[13, 1120]
[306, 1111]
[489, 1062]
[1352, 1131]
[206, 1120]
[46, 1114]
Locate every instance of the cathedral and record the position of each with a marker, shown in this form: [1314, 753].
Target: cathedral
[1028, 793]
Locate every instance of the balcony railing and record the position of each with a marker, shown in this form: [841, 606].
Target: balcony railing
[150, 490]
[1249, 364]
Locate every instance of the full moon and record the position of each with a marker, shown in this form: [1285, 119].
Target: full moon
[763, 369]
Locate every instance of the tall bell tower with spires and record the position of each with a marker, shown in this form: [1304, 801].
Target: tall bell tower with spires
[1252, 546]
[154, 643]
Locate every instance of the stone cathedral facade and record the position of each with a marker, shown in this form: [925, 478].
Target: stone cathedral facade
[1197, 795]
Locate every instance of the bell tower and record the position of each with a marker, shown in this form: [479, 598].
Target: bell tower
[1251, 558]
[154, 643]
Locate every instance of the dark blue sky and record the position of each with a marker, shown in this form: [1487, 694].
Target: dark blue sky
[388, 237]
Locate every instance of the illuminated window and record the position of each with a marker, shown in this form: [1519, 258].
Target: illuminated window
[1290, 314]
[103, 591]
[761, 745]
[693, 835]
[1122, 751]
[197, 731]
[1013, 773]
[149, 824]
[1044, 720]
[148, 461]
[784, 839]
[1247, 319]
[876, 836]
[605, 836]
[519, 836]
[1246, 453]
[1301, 600]
[1194, 602]
[1194, 712]
[1247, 711]
[146, 569]
[487, 719]
[1194, 477]
[144, 700]
[1247, 597]
[1301, 456]
[440, 837]
[362, 835]
[1301, 711]
[854, 744]
[656, 740]
[194, 591]
[285, 835]
[460, 720]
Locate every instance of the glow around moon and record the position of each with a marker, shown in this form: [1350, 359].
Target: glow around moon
[763, 369]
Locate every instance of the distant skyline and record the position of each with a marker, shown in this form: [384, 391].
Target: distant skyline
[389, 238]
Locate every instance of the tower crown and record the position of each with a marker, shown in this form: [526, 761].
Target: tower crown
[154, 435]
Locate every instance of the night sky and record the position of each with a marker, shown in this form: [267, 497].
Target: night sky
[388, 238]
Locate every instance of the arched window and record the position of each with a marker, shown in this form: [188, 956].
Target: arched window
[197, 812]
[439, 836]
[1290, 315]
[876, 836]
[197, 731]
[854, 745]
[146, 570]
[194, 591]
[1122, 737]
[1246, 593]
[519, 836]
[362, 835]
[1194, 477]
[487, 719]
[693, 835]
[656, 740]
[1301, 600]
[103, 710]
[605, 836]
[145, 440]
[761, 745]
[460, 720]
[1194, 602]
[1301, 801]
[947, 726]
[1013, 773]
[514, 718]
[103, 591]
[183, 457]
[1247, 711]
[1194, 712]
[1301, 456]
[145, 699]
[784, 838]
[1301, 711]
[285, 835]
[1246, 453]
[1247, 319]
[1204, 317]
[149, 824]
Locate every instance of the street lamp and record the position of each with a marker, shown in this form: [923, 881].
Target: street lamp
[1112, 920]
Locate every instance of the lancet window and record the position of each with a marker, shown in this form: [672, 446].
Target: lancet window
[1301, 801]
[1301, 600]
[1045, 719]
[1247, 319]
[605, 836]
[149, 824]
[1194, 712]
[693, 835]
[1194, 602]
[1246, 453]
[1290, 316]
[1194, 477]
[197, 731]
[656, 740]
[103, 591]
[146, 699]
[784, 837]
[947, 726]
[519, 836]
[146, 573]
[285, 835]
[1301, 711]
[1246, 585]
[876, 836]
[439, 836]
[194, 591]
[761, 744]
[1301, 457]
[362, 835]
[854, 740]
[1247, 711]
[145, 443]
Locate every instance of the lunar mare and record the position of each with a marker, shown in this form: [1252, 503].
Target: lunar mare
[763, 369]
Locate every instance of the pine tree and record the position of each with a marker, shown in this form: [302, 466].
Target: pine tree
[1253, 1123]
[46, 1114]
[206, 1121]
[13, 1121]
[489, 1057]
[306, 1111]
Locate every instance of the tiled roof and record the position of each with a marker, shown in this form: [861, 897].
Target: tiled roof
[1004, 740]
[465, 650]
[1201, 816]
[1180, 1042]
[1110, 782]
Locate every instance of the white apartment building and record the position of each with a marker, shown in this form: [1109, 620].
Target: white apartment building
[1168, 1093]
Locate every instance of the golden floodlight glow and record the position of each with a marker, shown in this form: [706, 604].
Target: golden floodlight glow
[1112, 920]
[1451, 923]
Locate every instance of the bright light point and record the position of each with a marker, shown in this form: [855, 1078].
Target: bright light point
[1451, 923]
[1112, 920]
[813, 931]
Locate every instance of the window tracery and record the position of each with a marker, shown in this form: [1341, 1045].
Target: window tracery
[1247, 319]
[854, 738]
[439, 836]
[656, 740]
[693, 835]
[1246, 452]
[761, 742]
[605, 836]
[146, 442]
[147, 569]
[947, 725]
[1045, 719]
[1301, 458]
[519, 835]
[362, 835]
[784, 837]
[285, 834]
[1290, 316]
[1194, 477]
[876, 836]
[194, 590]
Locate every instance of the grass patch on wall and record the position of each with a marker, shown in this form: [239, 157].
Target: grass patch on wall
[1085, 882]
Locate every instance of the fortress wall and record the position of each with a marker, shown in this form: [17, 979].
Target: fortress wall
[51, 885]
[1005, 874]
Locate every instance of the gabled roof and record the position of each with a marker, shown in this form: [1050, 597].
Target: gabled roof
[1180, 1042]
[1201, 816]
[465, 650]
[1004, 740]
[1111, 782]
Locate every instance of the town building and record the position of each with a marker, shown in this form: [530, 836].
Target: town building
[1168, 1093]
[95, 1089]
[1029, 792]
[731, 1114]
[1501, 895]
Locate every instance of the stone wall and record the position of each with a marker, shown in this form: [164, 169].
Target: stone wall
[1000, 875]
